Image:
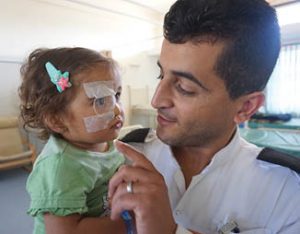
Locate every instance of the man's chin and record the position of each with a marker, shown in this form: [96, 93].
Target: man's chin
[166, 138]
[160, 134]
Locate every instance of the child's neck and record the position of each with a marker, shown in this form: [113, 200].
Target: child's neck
[100, 147]
[103, 147]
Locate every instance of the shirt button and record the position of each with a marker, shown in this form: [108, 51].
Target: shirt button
[178, 212]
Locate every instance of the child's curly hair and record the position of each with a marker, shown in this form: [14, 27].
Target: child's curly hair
[39, 96]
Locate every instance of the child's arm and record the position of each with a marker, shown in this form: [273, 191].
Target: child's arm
[77, 224]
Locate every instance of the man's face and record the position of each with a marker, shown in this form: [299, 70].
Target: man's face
[194, 108]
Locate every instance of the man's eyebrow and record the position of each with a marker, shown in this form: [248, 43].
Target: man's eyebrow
[186, 75]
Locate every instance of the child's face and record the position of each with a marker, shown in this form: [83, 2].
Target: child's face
[82, 108]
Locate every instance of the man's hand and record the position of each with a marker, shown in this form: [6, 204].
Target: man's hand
[149, 200]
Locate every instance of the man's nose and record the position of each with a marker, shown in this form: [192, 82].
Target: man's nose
[162, 95]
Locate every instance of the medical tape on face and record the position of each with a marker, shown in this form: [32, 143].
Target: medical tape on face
[99, 89]
[104, 103]
[96, 123]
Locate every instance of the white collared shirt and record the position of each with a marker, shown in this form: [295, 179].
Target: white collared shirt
[259, 196]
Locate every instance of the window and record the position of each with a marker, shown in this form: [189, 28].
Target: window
[283, 89]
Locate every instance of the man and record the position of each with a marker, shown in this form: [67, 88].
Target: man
[215, 61]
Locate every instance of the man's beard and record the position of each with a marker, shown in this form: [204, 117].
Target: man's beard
[191, 137]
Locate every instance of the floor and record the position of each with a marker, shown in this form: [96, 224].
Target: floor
[14, 202]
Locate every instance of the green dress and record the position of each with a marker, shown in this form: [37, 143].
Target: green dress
[66, 180]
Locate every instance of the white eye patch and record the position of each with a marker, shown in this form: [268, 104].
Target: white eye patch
[104, 103]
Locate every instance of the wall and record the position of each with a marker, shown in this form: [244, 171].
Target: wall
[132, 32]
[9, 82]
[127, 29]
[101, 25]
[138, 72]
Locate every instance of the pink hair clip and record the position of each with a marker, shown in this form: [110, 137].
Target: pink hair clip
[61, 80]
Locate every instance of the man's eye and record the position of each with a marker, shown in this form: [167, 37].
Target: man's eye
[183, 91]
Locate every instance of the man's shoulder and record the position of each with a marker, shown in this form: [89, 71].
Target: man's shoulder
[279, 158]
[136, 136]
[146, 141]
[141, 136]
[148, 135]
[269, 158]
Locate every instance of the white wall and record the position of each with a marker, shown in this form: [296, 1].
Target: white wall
[102, 25]
[131, 31]
[124, 28]
[290, 33]
[9, 82]
[138, 72]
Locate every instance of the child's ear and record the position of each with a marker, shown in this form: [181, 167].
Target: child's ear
[55, 124]
[249, 104]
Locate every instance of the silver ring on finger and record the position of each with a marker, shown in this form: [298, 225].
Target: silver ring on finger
[129, 187]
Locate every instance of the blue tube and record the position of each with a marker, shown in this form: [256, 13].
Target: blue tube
[128, 222]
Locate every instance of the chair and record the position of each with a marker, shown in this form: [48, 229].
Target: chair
[15, 150]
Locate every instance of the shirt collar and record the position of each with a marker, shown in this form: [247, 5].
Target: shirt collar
[226, 154]
[223, 156]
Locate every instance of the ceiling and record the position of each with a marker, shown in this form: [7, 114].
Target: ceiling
[122, 26]
[163, 5]
[281, 2]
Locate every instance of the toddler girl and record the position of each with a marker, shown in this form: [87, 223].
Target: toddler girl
[72, 96]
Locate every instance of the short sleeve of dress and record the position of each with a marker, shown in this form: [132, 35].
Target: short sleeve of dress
[58, 185]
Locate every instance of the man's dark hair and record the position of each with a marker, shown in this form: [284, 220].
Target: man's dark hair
[249, 29]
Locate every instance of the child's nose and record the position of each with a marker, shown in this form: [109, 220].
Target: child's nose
[117, 110]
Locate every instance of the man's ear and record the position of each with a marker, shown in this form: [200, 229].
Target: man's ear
[55, 124]
[248, 105]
